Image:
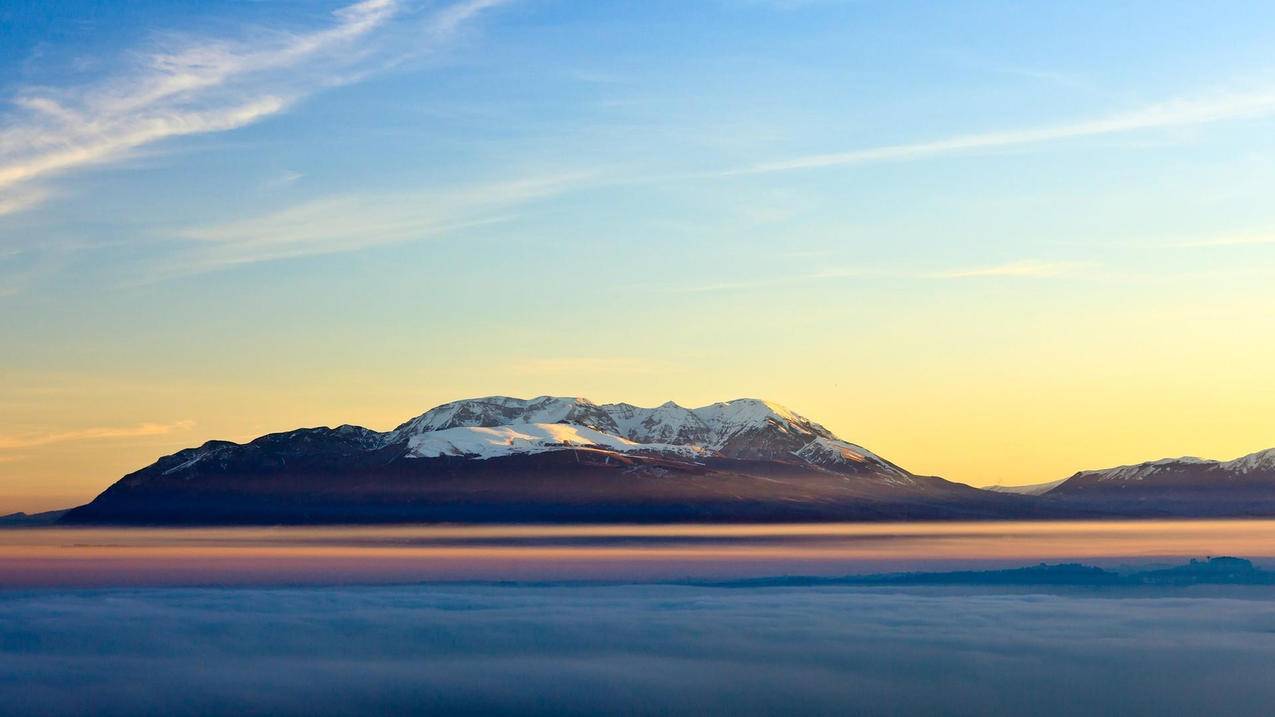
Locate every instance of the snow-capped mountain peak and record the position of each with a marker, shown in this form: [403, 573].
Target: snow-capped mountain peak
[492, 411]
[668, 423]
[744, 413]
[1260, 461]
[746, 428]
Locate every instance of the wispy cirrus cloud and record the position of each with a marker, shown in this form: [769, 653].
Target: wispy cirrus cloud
[21, 268]
[449, 19]
[17, 441]
[1027, 269]
[350, 222]
[187, 87]
[591, 365]
[776, 281]
[23, 198]
[1165, 115]
[1224, 241]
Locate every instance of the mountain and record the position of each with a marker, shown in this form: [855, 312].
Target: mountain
[1184, 486]
[546, 459]
[26, 520]
[552, 459]
[1222, 570]
[1031, 489]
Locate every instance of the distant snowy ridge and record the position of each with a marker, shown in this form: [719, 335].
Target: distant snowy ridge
[710, 426]
[1253, 462]
[745, 428]
[1260, 461]
[1180, 472]
[1142, 471]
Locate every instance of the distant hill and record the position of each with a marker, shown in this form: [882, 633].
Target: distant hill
[547, 459]
[1188, 487]
[1032, 489]
[1211, 571]
[30, 519]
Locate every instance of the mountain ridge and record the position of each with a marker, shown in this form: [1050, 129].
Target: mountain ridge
[547, 458]
[492, 426]
[1259, 462]
[1186, 486]
[552, 459]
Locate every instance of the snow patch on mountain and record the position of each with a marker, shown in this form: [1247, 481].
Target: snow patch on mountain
[731, 418]
[521, 438]
[1031, 489]
[186, 459]
[1142, 471]
[493, 411]
[667, 423]
[835, 453]
[1251, 463]
[1260, 461]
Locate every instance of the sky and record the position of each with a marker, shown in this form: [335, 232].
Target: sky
[990, 241]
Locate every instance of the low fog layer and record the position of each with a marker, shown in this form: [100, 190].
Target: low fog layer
[638, 649]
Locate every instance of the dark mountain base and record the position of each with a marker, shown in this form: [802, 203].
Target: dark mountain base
[1194, 502]
[1212, 571]
[570, 486]
[26, 520]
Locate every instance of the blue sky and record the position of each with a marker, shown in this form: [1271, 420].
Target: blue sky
[239, 216]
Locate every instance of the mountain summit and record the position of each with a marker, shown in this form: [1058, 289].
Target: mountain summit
[542, 459]
[746, 428]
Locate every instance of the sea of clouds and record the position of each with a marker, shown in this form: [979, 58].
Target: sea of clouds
[638, 649]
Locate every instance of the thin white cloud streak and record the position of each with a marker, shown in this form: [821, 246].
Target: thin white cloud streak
[1026, 269]
[345, 223]
[16, 201]
[1225, 241]
[19, 269]
[591, 365]
[1018, 269]
[775, 281]
[448, 20]
[35, 440]
[204, 86]
[99, 145]
[1178, 113]
[281, 180]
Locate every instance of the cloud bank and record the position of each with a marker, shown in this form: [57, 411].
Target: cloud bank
[630, 650]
